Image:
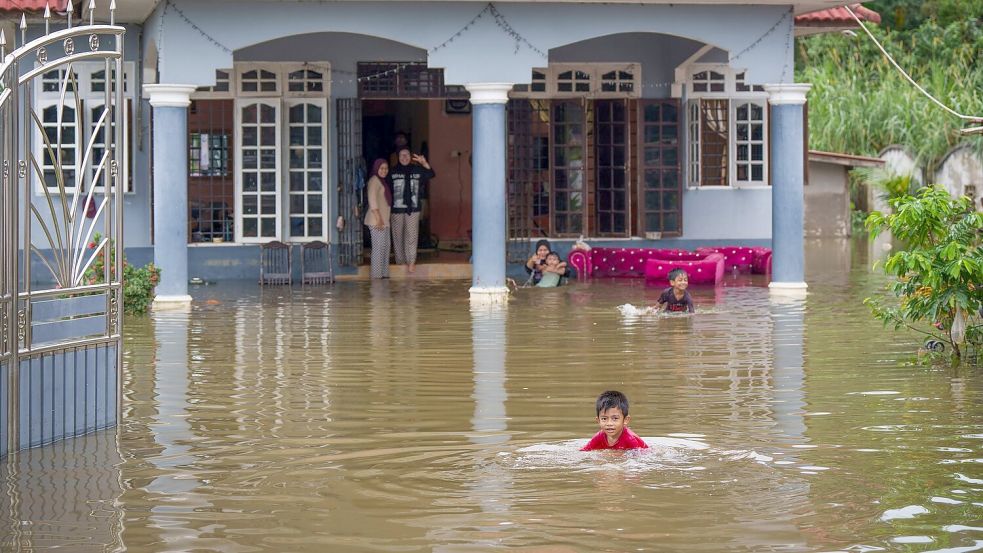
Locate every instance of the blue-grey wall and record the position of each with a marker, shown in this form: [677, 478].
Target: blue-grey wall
[659, 55]
[482, 53]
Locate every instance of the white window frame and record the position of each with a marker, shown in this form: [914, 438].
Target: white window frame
[278, 175]
[325, 160]
[40, 151]
[321, 67]
[278, 77]
[89, 100]
[90, 122]
[594, 71]
[734, 142]
[755, 95]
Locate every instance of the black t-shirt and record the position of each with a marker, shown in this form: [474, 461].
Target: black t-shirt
[677, 305]
[409, 187]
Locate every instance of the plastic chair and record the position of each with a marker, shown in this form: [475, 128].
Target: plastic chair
[315, 263]
[274, 263]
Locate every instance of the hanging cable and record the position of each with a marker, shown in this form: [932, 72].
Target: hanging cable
[912, 81]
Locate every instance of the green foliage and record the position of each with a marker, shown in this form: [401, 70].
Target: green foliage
[138, 283]
[891, 184]
[937, 276]
[861, 104]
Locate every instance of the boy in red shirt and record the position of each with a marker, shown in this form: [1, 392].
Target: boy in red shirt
[612, 417]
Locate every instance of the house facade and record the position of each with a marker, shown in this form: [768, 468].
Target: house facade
[248, 122]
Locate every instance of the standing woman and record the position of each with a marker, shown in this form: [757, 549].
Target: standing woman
[377, 219]
[409, 180]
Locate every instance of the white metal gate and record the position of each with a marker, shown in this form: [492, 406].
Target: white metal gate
[61, 225]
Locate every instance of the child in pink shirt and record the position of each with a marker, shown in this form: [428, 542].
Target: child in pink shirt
[612, 417]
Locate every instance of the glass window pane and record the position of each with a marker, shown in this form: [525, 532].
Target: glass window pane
[268, 227]
[249, 205]
[315, 226]
[268, 136]
[267, 204]
[249, 227]
[297, 114]
[267, 114]
[268, 181]
[314, 203]
[296, 203]
[296, 181]
[314, 181]
[314, 136]
[268, 159]
[249, 182]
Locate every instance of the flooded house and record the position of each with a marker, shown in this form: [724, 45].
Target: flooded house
[677, 124]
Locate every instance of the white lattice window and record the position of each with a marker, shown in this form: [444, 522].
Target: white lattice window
[258, 81]
[574, 80]
[592, 80]
[57, 151]
[618, 80]
[708, 80]
[727, 128]
[307, 81]
[258, 190]
[307, 168]
[750, 137]
[79, 129]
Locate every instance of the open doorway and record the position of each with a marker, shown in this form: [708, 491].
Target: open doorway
[441, 131]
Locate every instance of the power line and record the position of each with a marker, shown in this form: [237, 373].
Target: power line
[913, 82]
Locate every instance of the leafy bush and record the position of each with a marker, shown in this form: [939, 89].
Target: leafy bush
[138, 283]
[938, 274]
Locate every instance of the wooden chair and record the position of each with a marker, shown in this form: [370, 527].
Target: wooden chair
[274, 263]
[315, 263]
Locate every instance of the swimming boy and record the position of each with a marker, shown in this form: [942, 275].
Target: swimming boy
[612, 417]
[552, 271]
[675, 297]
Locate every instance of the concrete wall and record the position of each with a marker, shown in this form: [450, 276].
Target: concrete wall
[483, 52]
[961, 172]
[734, 214]
[827, 201]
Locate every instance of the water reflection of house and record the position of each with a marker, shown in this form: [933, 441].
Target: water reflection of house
[625, 121]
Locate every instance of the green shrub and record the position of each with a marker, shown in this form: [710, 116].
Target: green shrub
[138, 283]
[938, 275]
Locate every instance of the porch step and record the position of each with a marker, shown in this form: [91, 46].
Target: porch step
[424, 271]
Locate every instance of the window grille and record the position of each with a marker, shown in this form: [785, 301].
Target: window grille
[211, 183]
[403, 80]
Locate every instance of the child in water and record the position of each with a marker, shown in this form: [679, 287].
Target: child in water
[675, 297]
[552, 270]
[612, 417]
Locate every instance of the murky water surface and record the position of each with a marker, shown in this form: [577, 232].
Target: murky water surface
[392, 416]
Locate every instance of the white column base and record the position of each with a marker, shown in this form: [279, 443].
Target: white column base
[172, 302]
[788, 289]
[489, 296]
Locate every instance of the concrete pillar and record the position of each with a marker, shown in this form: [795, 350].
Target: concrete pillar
[488, 191]
[170, 143]
[787, 180]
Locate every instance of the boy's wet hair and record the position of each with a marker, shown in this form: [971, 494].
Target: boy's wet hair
[676, 272]
[610, 399]
[554, 253]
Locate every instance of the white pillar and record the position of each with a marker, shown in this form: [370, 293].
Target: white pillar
[170, 151]
[488, 192]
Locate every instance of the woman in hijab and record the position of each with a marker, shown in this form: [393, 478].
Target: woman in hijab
[537, 262]
[377, 218]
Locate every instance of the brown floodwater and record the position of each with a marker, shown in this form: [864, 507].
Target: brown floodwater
[393, 416]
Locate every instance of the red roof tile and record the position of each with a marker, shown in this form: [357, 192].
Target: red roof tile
[32, 5]
[837, 17]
